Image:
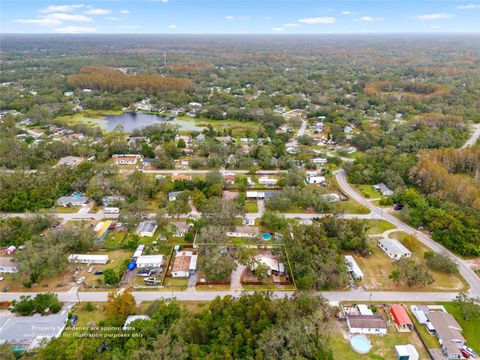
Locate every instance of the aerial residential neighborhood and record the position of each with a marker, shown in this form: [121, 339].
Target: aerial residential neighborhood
[239, 180]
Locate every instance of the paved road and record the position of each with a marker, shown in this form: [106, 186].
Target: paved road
[474, 138]
[465, 270]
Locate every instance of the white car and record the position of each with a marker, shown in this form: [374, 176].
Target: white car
[81, 280]
[1, 278]
[90, 269]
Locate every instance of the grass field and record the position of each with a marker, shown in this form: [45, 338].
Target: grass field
[378, 266]
[368, 191]
[251, 207]
[379, 226]
[67, 210]
[352, 207]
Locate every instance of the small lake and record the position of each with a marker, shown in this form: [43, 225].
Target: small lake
[131, 122]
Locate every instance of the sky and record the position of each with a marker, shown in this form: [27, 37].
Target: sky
[239, 17]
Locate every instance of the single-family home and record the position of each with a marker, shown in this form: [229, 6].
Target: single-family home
[102, 229]
[138, 251]
[184, 264]
[66, 201]
[265, 180]
[394, 249]
[146, 228]
[229, 178]
[27, 332]
[366, 324]
[180, 228]
[70, 161]
[274, 266]
[319, 161]
[112, 199]
[244, 232]
[255, 195]
[173, 195]
[178, 177]
[448, 333]
[151, 261]
[315, 180]
[400, 316]
[126, 159]
[8, 265]
[87, 259]
[383, 189]
[353, 268]
[406, 352]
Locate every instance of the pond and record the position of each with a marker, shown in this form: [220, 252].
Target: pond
[131, 121]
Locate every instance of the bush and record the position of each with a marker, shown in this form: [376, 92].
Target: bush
[39, 304]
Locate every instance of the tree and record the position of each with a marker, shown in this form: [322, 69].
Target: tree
[412, 273]
[119, 306]
[273, 220]
[469, 306]
[110, 277]
[216, 262]
[440, 262]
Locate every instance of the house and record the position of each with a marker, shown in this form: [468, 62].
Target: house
[448, 333]
[27, 332]
[383, 189]
[70, 161]
[132, 318]
[173, 195]
[184, 265]
[244, 232]
[265, 180]
[366, 324]
[353, 268]
[255, 195]
[320, 161]
[400, 316]
[146, 228]
[8, 265]
[87, 259]
[420, 313]
[177, 176]
[110, 200]
[154, 261]
[102, 229]
[274, 266]
[180, 228]
[230, 178]
[406, 352]
[315, 180]
[66, 201]
[138, 251]
[394, 249]
[126, 159]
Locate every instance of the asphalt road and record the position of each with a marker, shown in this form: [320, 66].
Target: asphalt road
[474, 138]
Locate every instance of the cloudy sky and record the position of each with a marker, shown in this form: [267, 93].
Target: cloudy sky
[236, 16]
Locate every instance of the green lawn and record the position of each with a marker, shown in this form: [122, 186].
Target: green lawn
[251, 207]
[67, 210]
[85, 317]
[368, 191]
[352, 207]
[379, 226]
[113, 240]
[471, 328]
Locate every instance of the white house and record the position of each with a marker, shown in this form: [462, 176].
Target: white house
[383, 189]
[319, 161]
[353, 268]
[316, 180]
[7, 265]
[87, 259]
[274, 266]
[27, 332]
[406, 352]
[255, 195]
[244, 232]
[394, 249]
[154, 261]
[265, 180]
[366, 324]
[146, 228]
[184, 265]
[126, 159]
[72, 201]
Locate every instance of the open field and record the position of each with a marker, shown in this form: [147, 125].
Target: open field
[352, 207]
[67, 210]
[379, 226]
[367, 191]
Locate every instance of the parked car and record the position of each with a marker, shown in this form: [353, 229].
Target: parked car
[90, 269]
[81, 280]
[465, 353]
[98, 272]
[150, 279]
[73, 319]
[470, 351]
[397, 207]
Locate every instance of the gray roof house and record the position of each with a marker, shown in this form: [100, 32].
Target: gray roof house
[27, 332]
[72, 201]
[146, 228]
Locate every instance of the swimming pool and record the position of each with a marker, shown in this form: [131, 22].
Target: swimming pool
[266, 236]
[360, 344]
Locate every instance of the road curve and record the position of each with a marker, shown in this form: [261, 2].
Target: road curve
[465, 270]
[474, 138]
